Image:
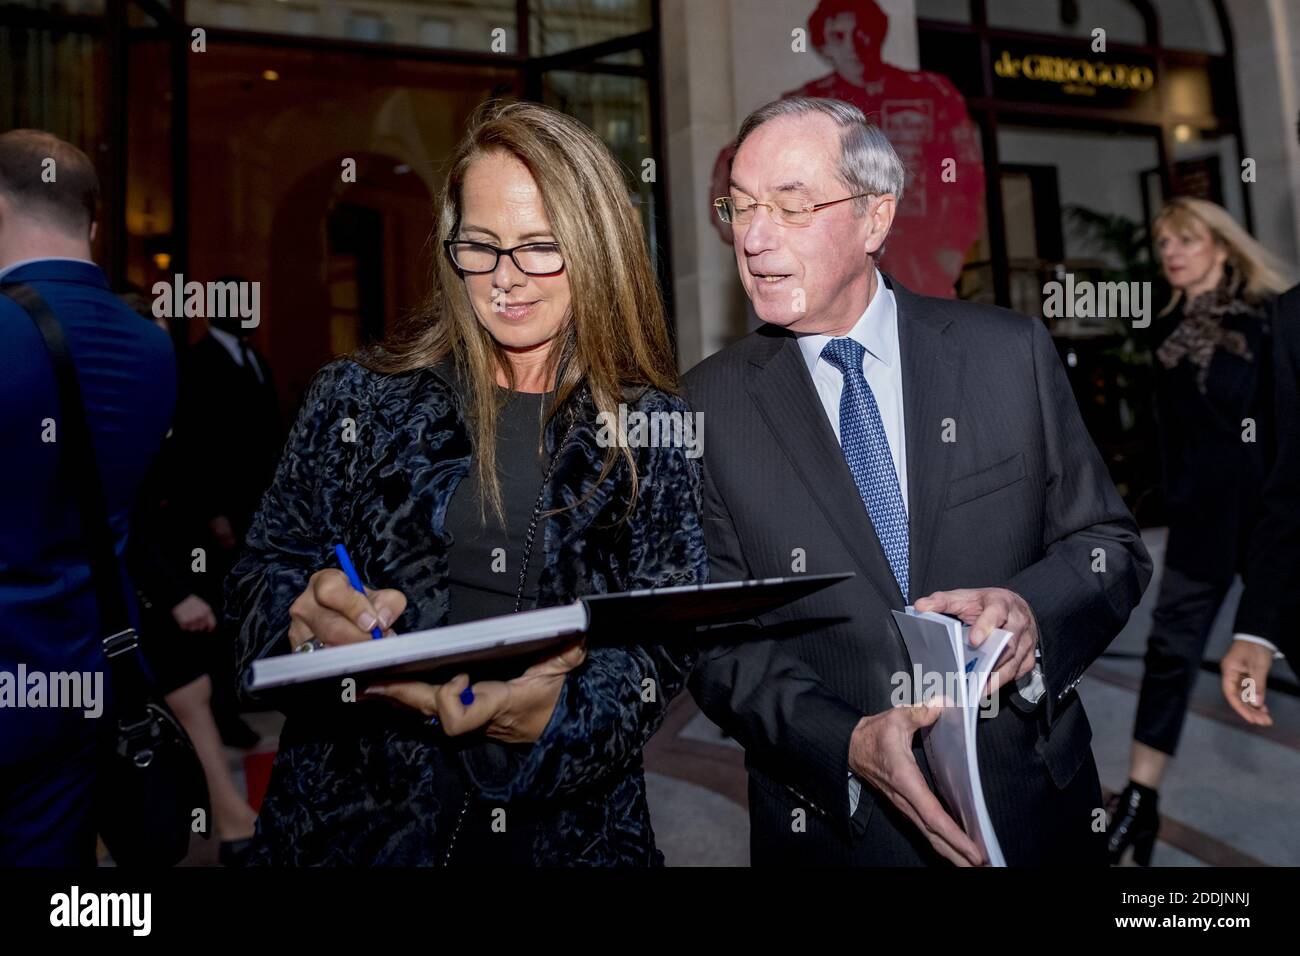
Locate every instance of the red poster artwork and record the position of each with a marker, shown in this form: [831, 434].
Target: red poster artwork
[925, 119]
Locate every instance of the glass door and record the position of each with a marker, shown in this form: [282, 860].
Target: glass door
[598, 61]
[1075, 204]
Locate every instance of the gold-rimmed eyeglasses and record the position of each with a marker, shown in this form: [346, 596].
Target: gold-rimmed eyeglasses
[740, 212]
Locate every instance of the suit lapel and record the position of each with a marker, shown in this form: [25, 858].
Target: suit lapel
[781, 387]
[931, 390]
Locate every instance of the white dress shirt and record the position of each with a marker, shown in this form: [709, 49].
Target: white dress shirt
[876, 331]
[1262, 641]
[232, 345]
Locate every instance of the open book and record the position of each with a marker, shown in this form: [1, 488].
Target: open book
[653, 615]
[944, 661]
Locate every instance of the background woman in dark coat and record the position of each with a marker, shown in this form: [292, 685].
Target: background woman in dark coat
[460, 466]
[1213, 406]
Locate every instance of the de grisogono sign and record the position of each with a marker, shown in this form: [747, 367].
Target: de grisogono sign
[1072, 76]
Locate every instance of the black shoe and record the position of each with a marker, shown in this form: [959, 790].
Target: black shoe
[234, 852]
[236, 733]
[1133, 823]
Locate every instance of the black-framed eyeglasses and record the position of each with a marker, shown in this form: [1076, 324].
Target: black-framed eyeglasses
[731, 211]
[480, 258]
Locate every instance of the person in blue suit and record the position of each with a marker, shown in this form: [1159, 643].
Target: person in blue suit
[49, 621]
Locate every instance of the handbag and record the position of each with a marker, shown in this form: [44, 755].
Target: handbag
[149, 782]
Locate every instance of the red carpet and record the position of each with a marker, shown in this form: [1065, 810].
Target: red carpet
[257, 774]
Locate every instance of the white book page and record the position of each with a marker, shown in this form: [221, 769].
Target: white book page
[937, 643]
[930, 644]
[980, 662]
[420, 647]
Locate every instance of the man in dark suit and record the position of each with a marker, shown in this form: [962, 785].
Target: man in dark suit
[935, 448]
[230, 438]
[229, 426]
[1266, 624]
[49, 619]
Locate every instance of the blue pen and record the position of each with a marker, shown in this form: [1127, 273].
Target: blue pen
[355, 580]
[467, 695]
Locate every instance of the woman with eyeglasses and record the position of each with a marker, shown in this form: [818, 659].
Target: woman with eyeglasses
[460, 466]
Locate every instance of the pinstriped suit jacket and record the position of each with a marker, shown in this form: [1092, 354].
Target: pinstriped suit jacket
[1006, 489]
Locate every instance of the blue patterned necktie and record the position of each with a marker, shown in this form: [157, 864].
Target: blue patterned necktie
[866, 449]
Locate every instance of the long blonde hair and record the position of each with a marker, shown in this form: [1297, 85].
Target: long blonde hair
[616, 334]
[1258, 273]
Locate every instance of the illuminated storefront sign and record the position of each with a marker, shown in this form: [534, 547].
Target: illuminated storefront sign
[1024, 72]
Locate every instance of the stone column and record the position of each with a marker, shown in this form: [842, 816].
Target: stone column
[1266, 45]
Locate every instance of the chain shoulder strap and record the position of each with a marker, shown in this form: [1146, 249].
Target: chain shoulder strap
[519, 591]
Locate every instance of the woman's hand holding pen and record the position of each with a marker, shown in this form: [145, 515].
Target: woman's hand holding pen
[514, 711]
[332, 612]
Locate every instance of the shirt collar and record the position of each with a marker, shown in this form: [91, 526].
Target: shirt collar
[229, 342]
[875, 330]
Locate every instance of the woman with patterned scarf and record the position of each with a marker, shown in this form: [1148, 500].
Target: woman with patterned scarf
[1213, 407]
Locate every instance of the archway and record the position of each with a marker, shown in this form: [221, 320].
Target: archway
[348, 259]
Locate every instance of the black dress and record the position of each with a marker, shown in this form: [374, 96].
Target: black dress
[161, 564]
[482, 581]
[485, 557]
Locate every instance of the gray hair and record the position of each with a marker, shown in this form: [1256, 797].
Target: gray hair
[868, 163]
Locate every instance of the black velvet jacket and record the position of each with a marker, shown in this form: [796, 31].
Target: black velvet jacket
[372, 462]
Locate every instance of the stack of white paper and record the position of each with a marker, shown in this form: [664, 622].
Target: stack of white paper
[942, 657]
